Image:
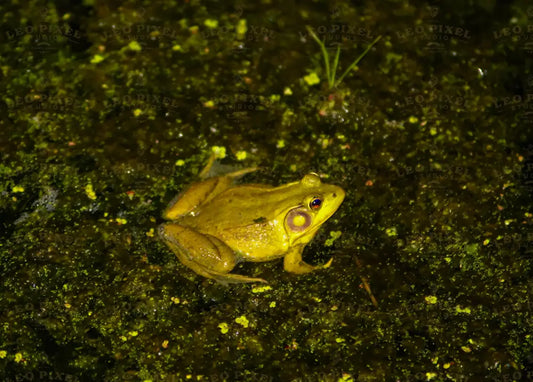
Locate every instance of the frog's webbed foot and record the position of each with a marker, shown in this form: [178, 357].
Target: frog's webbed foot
[232, 278]
[204, 254]
[206, 171]
[293, 262]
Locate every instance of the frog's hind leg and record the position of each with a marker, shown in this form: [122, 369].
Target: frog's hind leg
[204, 254]
[204, 174]
[200, 193]
[232, 278]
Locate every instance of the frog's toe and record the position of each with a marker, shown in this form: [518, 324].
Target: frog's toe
[232, 278]
[328, 264]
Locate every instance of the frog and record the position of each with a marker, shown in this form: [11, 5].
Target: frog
[215, 224]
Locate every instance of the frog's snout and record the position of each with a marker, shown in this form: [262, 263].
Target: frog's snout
[339, 194]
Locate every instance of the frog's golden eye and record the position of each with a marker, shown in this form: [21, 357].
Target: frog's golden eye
[315, 203]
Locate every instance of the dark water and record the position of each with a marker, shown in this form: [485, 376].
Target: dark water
[109, 110]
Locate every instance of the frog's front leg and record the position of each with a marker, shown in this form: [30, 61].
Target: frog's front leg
[204, 254]
[293, 261]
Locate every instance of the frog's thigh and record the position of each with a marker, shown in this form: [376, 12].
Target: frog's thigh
[194, 196]
[293, 262]
[200, 193]
[202, 253]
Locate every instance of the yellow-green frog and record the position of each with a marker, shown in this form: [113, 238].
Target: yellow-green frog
[216, 224]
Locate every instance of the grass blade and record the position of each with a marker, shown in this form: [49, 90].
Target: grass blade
[358, 59]
[334, 69]
[324, 52]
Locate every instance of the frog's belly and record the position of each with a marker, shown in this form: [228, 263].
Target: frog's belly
[260, 256]
[255, 243]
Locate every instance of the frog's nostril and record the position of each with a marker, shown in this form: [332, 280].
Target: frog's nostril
[334, 195]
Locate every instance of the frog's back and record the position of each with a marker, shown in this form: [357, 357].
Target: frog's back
[249, 219]
[238, 207]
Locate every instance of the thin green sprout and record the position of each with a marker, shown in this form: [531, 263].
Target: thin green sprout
[331, 72]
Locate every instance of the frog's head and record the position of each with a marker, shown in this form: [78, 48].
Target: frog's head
[318, 202]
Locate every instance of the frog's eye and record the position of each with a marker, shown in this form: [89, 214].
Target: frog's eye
[315, 203]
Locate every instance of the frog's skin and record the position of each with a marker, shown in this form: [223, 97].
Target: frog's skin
[216, 224]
